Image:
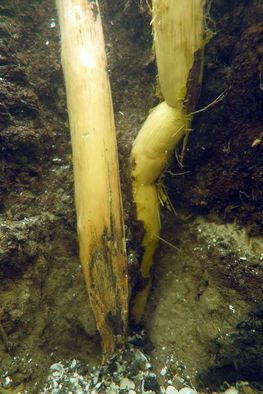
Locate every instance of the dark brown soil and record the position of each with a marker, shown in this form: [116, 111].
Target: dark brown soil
[45, 315]
[224, 156]
[221, 181]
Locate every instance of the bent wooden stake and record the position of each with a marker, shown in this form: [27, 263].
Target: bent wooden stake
[96, 173]
[178, 34]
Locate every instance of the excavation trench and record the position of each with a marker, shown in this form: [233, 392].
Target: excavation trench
[204, 319]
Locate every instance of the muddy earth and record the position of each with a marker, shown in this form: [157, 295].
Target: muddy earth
[203, 326]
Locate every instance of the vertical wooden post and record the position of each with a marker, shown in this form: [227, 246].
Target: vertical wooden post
[178, 34]
[96, 173]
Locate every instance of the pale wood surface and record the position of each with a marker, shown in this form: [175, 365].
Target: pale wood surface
[96, 173]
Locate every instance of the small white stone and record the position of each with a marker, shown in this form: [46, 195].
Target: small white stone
[148, 391]
[164, 371]
[231, 390]
[187, 390]
[171, 390]
[7, 382]
[113, 389]
[52, 23]
[127, 384]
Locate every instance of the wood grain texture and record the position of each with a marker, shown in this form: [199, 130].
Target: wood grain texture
[96, 173]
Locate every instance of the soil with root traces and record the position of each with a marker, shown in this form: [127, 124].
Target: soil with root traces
[204, 318]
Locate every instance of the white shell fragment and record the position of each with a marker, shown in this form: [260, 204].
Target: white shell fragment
[57, 371]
